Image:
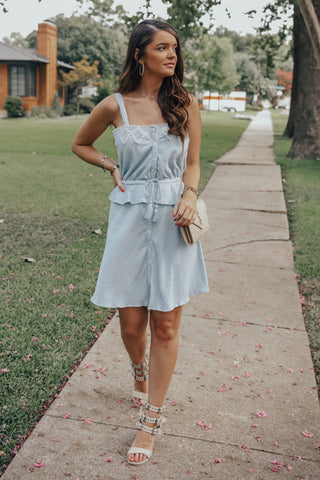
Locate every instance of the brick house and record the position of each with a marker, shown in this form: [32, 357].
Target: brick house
[32, 74]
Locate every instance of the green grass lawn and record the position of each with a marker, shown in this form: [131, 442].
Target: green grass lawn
[302, 192]
[50, 204]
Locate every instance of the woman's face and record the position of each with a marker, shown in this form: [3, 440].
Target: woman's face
[161, 57]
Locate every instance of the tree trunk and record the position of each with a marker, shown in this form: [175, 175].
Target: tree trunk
[311, 21]
[295, 81]
[306, 121]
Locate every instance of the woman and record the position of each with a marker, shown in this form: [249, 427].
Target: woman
[147, 271]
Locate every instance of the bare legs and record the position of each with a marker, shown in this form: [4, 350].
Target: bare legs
[164, 328]
[133, 323]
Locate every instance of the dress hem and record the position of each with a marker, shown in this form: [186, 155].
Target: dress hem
[150, 307]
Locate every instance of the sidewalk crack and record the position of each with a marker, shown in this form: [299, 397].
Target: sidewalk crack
[252, 241]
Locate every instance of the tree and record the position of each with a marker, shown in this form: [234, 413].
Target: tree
[311, 21]
[185, 15]
[17, 40]
[217, 70]
[81, 76]
[285, 80]
[304, 119]
[103, 11]
[249, 74]
[82, 35]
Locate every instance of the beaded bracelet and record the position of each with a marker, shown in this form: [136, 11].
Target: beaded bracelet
[112, 169]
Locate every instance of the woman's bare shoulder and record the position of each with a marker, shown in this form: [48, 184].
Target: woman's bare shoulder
[107, 110]
[193, 102]
[109, 104]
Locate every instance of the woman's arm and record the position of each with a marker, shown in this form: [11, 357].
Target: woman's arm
[104, 114]
[185, 210]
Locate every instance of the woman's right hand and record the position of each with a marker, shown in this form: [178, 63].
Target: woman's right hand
[117, 179]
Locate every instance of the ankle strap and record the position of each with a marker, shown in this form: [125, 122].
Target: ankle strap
[152, 408]
[143, 372]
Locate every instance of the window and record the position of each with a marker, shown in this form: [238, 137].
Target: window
[22, 80]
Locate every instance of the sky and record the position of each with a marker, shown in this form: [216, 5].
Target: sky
[24, 15]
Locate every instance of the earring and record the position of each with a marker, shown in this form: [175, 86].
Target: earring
[141, 69]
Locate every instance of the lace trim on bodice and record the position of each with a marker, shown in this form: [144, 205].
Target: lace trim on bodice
[140, 133]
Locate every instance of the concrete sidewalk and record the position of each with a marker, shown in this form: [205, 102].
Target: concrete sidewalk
[243, 401]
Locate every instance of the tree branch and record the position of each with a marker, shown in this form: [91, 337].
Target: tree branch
[312, 23]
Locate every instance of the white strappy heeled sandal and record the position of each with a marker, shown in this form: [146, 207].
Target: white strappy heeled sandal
[140, 373]
[157, 421]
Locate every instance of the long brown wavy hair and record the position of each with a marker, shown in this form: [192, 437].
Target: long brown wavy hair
[173, 98]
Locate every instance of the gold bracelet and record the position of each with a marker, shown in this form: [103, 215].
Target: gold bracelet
[192, 190]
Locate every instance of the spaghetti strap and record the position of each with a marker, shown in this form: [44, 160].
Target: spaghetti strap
[123, 110]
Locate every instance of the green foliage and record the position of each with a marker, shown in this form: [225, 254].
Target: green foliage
[248, 73]
[82, 35]
[56, 106]
[13, 105]
[17, 40]
[43, 112]
[107, 87]
[103, 11]
[86, 105]
[241, 43]
[70, 108]
[79, 106]
[187, 16]
[216, 68]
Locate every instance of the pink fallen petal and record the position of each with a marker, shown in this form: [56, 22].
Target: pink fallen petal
[289, 467]
[39, 464]
[261, 414]
[204, 426]
[89, 421]
[244, 446]
[250, 470]
[109, 459]
[67, 415]
[307, 434]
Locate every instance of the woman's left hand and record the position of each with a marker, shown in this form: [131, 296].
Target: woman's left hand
[184, 212]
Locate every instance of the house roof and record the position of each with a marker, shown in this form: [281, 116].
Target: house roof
[65, 65]
[10, 53]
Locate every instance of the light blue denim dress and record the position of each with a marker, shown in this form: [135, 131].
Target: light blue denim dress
[146, 261]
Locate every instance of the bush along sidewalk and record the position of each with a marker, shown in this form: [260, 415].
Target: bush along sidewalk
[301, 180]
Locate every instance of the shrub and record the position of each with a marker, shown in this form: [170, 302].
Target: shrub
[85, 105]
[13, 105]
[56, 107]
[43, 112]
[70, 109]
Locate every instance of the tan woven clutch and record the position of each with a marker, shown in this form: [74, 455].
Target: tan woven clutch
[193, 232]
